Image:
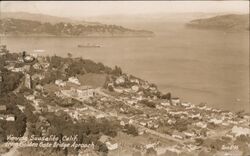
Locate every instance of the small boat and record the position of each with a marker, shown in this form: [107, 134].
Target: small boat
[89, 46]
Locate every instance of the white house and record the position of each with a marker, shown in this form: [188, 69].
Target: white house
[74, 80]
[216, 121]
[100, 116]
[120, 80]
[30, 97]
[39, 87]
[134, 81]
[60, 83]
[37, 66]
[175, 101]
[201, 124]
[2, 117]
[21, 107]
[186, 104]
[10, 117]
[165, 103]
[111, 145]
[237, 131]
[118, 90]
[135, 88]
[85, 92]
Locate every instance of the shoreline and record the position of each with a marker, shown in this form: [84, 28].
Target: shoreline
[83, 36]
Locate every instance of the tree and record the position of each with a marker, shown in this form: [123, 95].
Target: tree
[166, 96]
[69, 55]
[130, 129]
[137, 153]
[151, 152]
[111, 88]
[117, 71]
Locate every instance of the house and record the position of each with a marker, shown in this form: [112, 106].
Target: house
[30, 97]
[10, 117]
[103, 138]
[178, 135]
[156, 126]
[195, 116]
[120, 80]
[28, 58]
[84, 92]
[145, 85]
[201, 124]
[186, 104]
[69, 93]
[135, 88]
[189, 134]
[150, 145]
[176, 101]
[37, 76]
[125, 121]
[171, 121]
[37, 66]
[74, 80]
[39, 87]
[21, 107]
[165, 103]
[60, 83]
[150, 124]
[100, 116]
[215, 121]
[17, 70]
[2, 117]
[140, 131]
[113, 112]
[143, 123]
[3, 108]
[238, 131]
[139, 98]
[111, 145]
[118, 90]
[131, 102]
[134, 81]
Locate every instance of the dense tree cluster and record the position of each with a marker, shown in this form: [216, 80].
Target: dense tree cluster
[88, 131]
[130, 129]
[10, 81]
[17, 127]
[148, 103]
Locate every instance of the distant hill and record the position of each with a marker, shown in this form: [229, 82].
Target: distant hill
[43, 18]
[21, 27]
[230, 22]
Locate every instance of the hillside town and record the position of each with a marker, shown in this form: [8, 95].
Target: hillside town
[117, 112]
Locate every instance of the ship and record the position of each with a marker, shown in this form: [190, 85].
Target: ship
[88, 46]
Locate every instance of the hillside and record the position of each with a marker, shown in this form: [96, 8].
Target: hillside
[75, 102]
[44, 18]
[230, 22]
[20, 27]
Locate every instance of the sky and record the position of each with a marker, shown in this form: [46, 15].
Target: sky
[97, 8]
